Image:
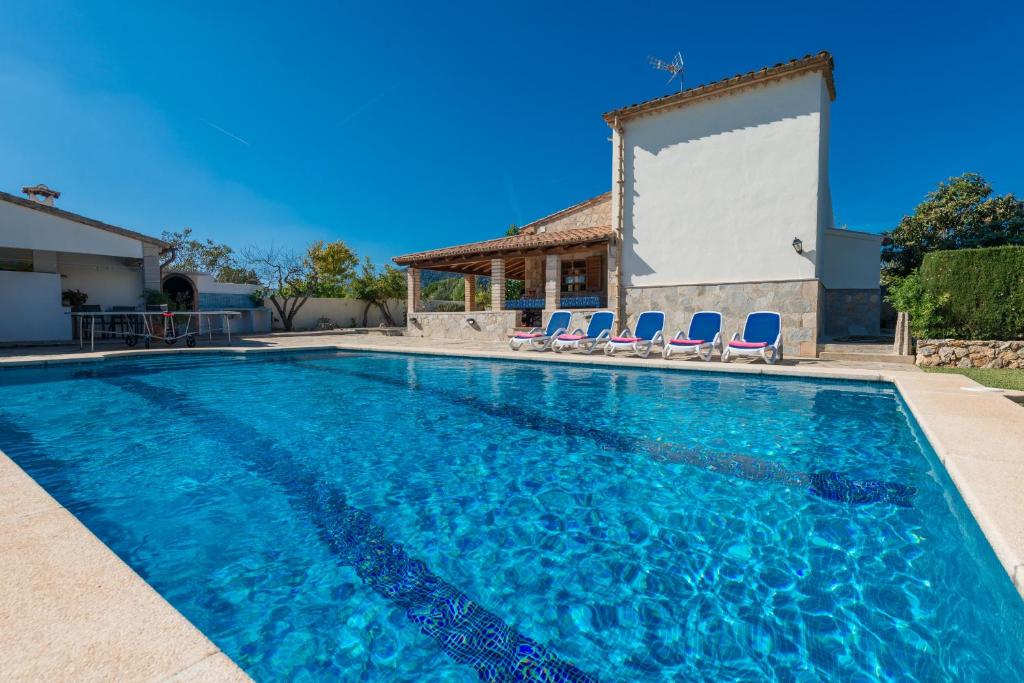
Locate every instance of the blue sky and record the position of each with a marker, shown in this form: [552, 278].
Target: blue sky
[401, 126]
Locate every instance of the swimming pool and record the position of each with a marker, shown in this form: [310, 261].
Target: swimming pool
[388, 517]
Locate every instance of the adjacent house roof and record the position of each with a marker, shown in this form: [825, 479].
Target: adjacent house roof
[91, 222]
[474, 258]
[820, 62]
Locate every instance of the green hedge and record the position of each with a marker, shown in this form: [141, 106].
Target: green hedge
[978, 293]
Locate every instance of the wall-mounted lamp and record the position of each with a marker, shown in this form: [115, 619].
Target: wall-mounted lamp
[471, 322]
[413, 320]
[798, 245]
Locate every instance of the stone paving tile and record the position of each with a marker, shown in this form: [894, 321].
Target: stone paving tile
[71, 610]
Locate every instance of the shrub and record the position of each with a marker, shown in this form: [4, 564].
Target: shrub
[973, 293]
[925, 309]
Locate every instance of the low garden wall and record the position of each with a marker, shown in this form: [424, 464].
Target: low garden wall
[487, 325]
[342, 312]
[961, 353]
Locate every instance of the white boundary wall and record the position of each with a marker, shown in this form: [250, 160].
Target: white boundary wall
[341, 311]
[30, 309]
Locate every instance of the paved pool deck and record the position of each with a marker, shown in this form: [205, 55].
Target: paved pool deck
[71, 610]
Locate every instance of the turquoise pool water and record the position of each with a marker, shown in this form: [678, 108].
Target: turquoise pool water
[340, 516]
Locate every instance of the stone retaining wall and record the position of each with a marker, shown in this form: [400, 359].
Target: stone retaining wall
[489, 325]
[852, 311]
[961, 353]
[799, 301]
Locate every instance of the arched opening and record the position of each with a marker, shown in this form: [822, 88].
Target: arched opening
[182, 292]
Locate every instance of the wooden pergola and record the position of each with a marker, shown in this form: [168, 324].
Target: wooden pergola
[505, 258]
[477, 258]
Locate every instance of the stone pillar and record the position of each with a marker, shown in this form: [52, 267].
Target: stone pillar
[497, 284]
[903, 346]
[412, 292]
[552, 277]
[469, 292]
[615, 297]
[151, 267]
[534, 278]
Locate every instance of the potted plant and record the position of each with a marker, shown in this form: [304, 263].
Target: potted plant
[73, 298]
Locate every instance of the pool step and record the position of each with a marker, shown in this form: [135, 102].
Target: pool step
[862, 352]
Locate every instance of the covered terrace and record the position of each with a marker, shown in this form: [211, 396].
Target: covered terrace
[560, 269]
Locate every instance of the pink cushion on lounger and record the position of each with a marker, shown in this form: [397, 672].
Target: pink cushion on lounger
[572, 337]
[625, 340]
[526, 335]
[747, 345]
[686, 342]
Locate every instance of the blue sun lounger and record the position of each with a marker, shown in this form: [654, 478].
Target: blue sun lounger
[762, 336]
[701, 339]
[598, 332]
[640, 341]
[540, 340]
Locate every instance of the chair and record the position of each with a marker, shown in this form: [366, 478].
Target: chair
[540, 340]
[762, 333]
[598, 332]
[120, 324]
[648, 332]
[90, 323]
[701, 339]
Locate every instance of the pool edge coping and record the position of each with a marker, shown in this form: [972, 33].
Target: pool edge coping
[1008, 545]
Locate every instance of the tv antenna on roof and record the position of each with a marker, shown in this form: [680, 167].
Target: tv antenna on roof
[674, 68]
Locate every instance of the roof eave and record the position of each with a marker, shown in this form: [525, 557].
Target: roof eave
[83, 220]
[820, 62]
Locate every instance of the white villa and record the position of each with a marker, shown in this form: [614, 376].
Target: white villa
[46, 252]
[720, 201]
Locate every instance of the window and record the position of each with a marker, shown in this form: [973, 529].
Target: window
[582, 274]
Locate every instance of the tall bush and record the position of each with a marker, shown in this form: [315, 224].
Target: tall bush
[975, 293]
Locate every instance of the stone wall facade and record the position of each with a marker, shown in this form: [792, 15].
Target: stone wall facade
[962, 353]
[799, 301]
[489, 325]
[852, 312]
[593, 213]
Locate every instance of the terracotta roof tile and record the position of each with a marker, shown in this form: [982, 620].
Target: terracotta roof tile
[514, 243]
[819, 62]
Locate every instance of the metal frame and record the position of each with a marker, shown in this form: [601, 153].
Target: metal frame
[142, 325]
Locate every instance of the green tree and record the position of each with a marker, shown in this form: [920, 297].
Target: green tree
[290, 279]
[378, 288]
[333, 265]
[205, 256]
[960, 213]
[512, 230]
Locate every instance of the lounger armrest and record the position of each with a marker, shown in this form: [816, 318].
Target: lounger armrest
[679, 335]
[578, 330]
[735, 336]
[604, 336]
[535, 330]
[625, 332]
[560, 330]
[658, 338]
[717, 341]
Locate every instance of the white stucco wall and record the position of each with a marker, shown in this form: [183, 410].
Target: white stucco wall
[30, 308]
[851, 260]
[716, 191]
[26, 228]
[341, 311]
[208, 283]
[108, 281]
